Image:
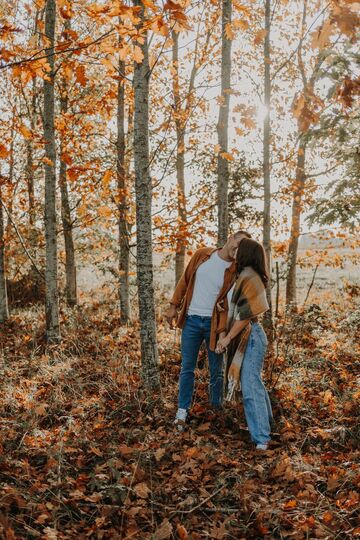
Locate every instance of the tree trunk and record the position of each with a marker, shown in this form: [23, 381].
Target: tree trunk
[222, 127]
[51, 298]
[180, 122]
[30, 166]
[266, 159]
[298, 192]
[4, 311]
[10, 189]
[70, 261]
[123, 203]
[143, 190]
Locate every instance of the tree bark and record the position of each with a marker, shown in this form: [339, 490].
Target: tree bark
[4, 311]
[67, 223]
[51, 296]
[298, 192]
[266, 158]
[143, 190]
[29, 168]
[223, 126]
[180, 122]
[123, 225]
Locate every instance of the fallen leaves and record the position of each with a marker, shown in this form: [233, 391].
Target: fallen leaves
[121, 462]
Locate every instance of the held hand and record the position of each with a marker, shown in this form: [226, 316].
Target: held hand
[171, 315]
[222, 344]
[220, 306]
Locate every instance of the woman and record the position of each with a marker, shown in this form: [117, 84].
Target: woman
[245, 341]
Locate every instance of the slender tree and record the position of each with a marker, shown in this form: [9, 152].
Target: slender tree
[299, 185]
[51, 299]
[180, 121]
[4, 311]
[143, 191]
[67, 222]
[266, 154]
[123, 226]
[223, 126]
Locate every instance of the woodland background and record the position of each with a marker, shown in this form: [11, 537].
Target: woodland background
[132, 133]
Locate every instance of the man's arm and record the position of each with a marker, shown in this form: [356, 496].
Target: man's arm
[180, 290]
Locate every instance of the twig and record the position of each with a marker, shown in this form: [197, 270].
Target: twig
[311, 284]
[198, 505]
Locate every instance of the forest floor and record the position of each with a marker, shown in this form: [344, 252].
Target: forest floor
[86, 452]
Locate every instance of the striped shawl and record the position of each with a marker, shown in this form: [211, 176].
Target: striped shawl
[247, 302]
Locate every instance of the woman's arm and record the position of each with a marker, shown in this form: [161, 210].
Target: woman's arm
[235, 330]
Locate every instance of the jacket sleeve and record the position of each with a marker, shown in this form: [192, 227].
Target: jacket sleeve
[181, 287]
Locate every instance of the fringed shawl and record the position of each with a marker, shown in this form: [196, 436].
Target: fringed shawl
[247, 302]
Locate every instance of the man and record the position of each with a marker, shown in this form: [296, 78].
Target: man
[200, 307]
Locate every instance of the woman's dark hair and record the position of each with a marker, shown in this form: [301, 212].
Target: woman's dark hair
[251, 253]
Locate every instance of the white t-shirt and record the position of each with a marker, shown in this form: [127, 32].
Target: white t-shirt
[209, 280]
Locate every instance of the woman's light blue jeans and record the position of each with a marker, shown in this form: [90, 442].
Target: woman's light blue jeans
[197, 329]
[256, 402]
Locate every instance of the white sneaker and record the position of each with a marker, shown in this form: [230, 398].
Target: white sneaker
[180, 419]
[262, 446]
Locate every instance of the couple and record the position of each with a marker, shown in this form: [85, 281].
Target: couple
[218, 299]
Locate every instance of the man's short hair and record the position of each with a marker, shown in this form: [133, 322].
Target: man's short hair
[244, 233]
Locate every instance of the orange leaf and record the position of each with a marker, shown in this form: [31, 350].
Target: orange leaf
[227, 155]
[47, 161]
[66, 158]
[290, 504]
[80, 75]
[259, 36]
[107, 177]
[25, 131]
[182, 532]
[4, 152]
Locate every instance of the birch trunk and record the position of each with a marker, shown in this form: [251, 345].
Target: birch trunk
[4, 311]
[223, 126]
[123, 226]
[51, 297]
[266, 158]
[143, 190]
[180, 162]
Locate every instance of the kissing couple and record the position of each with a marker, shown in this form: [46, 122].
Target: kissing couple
[219, 298]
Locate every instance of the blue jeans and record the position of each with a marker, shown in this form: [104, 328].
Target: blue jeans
[256, 402]
[197, 329]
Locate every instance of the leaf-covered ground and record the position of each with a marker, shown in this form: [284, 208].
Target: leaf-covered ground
[86, 452]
